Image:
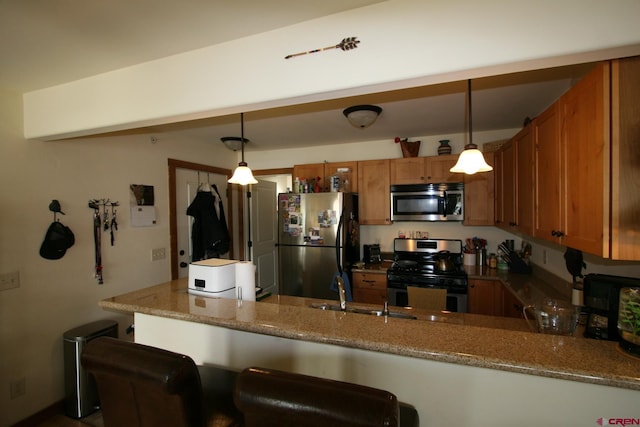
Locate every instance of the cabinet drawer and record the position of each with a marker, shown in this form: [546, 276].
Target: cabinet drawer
[370, 281]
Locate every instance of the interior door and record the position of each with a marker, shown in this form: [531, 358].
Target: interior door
[264, 222]
[187, 183]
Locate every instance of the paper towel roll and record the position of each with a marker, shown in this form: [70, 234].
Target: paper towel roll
[246, 280]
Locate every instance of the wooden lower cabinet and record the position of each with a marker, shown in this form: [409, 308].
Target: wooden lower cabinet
[370, 288]
[512, 305]
[485, 297]
[492, 298]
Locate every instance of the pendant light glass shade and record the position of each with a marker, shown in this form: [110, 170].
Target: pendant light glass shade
[242, 175]
[471, 159]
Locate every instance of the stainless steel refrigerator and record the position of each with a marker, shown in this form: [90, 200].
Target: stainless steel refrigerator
[318, 239]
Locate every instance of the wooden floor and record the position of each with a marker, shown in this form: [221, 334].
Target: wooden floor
[92, 420]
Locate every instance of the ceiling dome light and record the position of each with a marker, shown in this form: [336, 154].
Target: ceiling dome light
[233, 142]
[362, 116]
[471, 159]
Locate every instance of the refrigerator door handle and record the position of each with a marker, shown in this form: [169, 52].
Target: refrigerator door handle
[340, 224]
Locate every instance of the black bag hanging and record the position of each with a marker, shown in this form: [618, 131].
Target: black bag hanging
[209, 234]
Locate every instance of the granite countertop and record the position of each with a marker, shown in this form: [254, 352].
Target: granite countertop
[459, 338]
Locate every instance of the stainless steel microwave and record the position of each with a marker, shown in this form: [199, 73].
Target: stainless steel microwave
[427, 202]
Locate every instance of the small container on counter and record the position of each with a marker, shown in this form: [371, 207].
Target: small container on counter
[492, 261]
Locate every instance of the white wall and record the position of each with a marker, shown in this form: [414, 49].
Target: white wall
[55, 296]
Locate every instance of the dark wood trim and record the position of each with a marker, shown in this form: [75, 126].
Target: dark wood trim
[279, 171]
[174, 164]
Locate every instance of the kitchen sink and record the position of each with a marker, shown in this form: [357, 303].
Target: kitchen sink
[371, 312]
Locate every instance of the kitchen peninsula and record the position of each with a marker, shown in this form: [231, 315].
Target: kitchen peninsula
[455, 369]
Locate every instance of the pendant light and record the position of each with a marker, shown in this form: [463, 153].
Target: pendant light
[242, 175]
[471, 159]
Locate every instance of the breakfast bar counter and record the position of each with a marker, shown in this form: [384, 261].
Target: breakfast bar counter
[503, 344]
[453, 368]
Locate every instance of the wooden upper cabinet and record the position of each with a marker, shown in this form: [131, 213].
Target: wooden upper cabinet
[625, 155]
[325, 171]
[437, 169]
[408, 170]
[424, 170]
[479, 195]
[586, 144]
[506, 186]
[310, 171]
[374, 193]
[549, 194]
[525, 185]
[331, 169]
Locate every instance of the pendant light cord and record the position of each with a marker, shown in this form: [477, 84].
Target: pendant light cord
[470, 114]
[242, 135]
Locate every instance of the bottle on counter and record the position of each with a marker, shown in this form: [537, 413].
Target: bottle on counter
[296, 185]
[492, 261]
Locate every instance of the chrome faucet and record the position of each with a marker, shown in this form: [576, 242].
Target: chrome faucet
[342, 294]
[385, 309]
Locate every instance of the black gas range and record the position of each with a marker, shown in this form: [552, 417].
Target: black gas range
[419, 262]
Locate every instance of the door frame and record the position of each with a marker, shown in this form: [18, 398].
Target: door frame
[174, 164]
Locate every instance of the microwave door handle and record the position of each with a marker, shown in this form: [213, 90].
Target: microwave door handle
[444, 204]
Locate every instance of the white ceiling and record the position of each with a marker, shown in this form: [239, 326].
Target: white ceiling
[47, 42]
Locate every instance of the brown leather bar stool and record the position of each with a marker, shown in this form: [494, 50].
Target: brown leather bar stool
[270, 398]
[143, 386]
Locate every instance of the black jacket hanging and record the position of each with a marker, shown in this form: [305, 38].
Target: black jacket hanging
[209, 234]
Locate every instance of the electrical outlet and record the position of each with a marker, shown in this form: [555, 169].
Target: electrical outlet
[9, 280]
[18, 388]
[157, 254]
[544, 256]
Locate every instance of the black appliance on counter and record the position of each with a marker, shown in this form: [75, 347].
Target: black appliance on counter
[602, 301]
[428, 263]
[372, 254]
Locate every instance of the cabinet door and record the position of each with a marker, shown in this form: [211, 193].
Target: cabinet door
[507, 210]
[309, 172]
[331, 169]
[485, 297]
[548, 176]
[585, 136]
[369, 288]
[512, 307]
[373, 187]
[525, 183]
[625, 152]
[408, 170]
[438, 169]
[479, 196]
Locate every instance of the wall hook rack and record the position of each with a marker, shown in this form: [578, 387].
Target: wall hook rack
[101, 221]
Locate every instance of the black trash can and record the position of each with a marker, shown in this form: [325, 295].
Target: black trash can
[81, 394]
